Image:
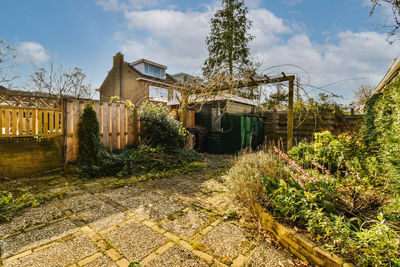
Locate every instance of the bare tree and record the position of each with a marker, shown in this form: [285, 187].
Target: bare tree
[7, 64]
[362, 94]
[60, 81]
[395, 5]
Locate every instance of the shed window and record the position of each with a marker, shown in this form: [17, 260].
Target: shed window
[216, 118]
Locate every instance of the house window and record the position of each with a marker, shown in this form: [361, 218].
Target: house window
[216, 119]
[158, 94]
[154, 71]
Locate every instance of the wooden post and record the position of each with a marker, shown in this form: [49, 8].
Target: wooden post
[290, 116]
[185, 99]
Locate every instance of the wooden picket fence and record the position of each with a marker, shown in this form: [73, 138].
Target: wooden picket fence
[118, 125]
[22, 116]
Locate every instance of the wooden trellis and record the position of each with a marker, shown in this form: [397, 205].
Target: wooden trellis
[27, 116]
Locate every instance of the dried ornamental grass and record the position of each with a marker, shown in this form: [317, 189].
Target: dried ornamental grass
[245, 178]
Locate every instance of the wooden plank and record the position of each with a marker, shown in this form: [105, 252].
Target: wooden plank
[39, 121]
[56, 122]
[101, 124]
[106, 125]
[7, 123]
[62, 121]
[123, 129]
[20, 120]
[14, 119]
[51, 122]
[114, 127]
[75, 121]
[69, 153]
[132, 126]
[45, 122]
[27, 123]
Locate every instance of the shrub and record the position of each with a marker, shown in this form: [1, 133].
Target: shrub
[94, 160]
[250, 175]
[306, 197]
[89, 139]
[158, 128]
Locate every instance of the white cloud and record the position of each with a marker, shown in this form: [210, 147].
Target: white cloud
[31, 52]
[292, 2]
[119, 5]
[177, 39]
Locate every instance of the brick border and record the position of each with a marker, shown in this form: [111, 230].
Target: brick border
[297, 244]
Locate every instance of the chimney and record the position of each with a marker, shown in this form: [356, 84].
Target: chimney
[117, 65]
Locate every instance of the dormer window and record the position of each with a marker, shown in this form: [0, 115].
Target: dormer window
[150, 68]
[154, 71]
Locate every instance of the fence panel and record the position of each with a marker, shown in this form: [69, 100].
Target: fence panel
[116, 125]
[28, 116]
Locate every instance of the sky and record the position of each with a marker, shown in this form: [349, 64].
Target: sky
[334, 45]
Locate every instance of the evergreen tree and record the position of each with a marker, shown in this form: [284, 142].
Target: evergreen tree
[228, 40]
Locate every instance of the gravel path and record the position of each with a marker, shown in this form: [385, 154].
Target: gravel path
[168, 222]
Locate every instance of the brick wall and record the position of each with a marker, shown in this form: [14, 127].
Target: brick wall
[27, 156]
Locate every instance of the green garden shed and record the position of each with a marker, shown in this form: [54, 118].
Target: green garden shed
[230, 124]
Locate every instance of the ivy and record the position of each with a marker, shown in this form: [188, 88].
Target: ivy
[381, 128]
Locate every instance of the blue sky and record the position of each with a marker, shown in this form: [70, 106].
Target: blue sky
[330, 40]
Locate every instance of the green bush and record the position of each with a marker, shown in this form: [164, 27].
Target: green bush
[94, 160]
[158, 128]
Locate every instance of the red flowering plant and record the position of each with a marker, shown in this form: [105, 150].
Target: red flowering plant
[310, 180]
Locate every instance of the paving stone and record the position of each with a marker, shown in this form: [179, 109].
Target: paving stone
[161, 210]
[135, 240]
[21, 242]
[58, 254]
[140, 200]
[122, 193]
[267, 255]
[82, 202]
[102, 217]
[103, 261]
[113, 254]
[187, 224]
[31, 217]
[224, 241]
[177, 256]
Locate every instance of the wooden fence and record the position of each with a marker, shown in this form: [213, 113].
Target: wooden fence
[22, 116]
[118, 125]
[306, 124]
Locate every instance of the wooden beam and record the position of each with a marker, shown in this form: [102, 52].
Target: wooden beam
[290, 116]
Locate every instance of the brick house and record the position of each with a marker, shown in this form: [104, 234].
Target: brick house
[138, 81]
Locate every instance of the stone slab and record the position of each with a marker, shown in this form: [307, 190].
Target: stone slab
[21, 242]
[135, 241]
[30, 218]
[82, 202]
[187, 224]
[224, 241]
[161, 210]
[58, 254]
[102, 217]
[177, 256]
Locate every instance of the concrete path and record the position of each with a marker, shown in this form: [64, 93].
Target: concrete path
[168, 222]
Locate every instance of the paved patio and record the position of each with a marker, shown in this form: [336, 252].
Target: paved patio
[168, 222]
